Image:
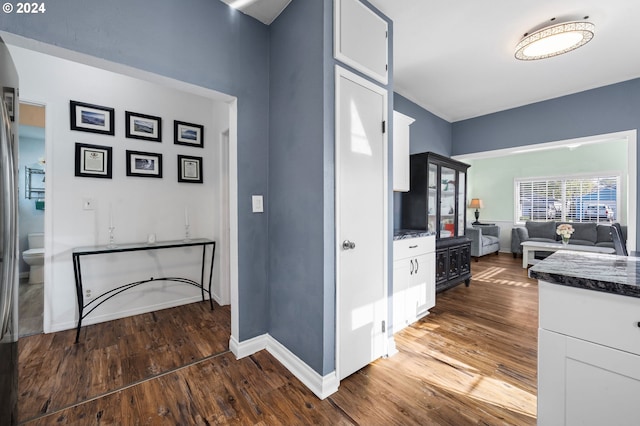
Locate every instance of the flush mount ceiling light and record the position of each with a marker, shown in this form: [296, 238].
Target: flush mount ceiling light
[554, 40]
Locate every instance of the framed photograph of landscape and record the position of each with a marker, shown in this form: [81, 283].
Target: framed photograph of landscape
[9, 97]
[189, 169]
[93, 161]
[142, 126]
[188, 134]
[92, 118]
[144, 164]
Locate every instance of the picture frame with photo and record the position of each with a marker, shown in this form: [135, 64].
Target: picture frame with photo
[143, 126]
[188, 134]
[144, 164]
[9, 98]
[93, 161]
[92, 118]
[189, 169]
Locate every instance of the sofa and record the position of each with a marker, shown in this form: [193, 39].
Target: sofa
[485, 239]
[586, 234]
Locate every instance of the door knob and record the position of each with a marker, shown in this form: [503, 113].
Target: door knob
[348, 245]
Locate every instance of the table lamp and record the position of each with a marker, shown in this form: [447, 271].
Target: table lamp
[476, 203]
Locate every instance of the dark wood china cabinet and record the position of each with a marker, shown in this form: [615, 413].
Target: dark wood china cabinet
[437, 202]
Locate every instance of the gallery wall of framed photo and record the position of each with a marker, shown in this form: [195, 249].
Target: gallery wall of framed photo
[96, 161]
[112, 139]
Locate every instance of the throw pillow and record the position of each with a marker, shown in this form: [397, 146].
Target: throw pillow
[541, 229]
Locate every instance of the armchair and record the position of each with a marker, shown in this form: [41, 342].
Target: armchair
[485, 239]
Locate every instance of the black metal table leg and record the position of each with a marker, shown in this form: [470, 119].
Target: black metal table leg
[78, 278]
[204, 250]
[213, 253]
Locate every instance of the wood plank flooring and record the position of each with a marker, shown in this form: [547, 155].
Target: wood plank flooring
[472, 361]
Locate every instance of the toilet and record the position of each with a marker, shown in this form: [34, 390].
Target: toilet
[34, 257]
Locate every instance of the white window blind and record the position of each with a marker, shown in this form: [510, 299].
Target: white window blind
[576, 199]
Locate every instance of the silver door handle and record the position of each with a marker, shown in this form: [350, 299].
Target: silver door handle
[348, 245]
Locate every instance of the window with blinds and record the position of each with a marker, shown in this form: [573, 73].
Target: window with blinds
[576, 199]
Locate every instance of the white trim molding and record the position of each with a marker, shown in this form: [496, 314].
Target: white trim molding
[321, 386]
[247, 347]
[391, 346]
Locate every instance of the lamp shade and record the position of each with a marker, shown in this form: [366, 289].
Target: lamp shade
[476, 203]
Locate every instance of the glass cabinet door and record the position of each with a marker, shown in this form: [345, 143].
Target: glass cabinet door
[447, 202]
[432, 198]
[461, 200]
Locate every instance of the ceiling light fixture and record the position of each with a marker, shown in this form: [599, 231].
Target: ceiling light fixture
[239, 4]
[554, 40]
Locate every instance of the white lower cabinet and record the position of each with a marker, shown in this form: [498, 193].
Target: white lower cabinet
[414, 280]
[588, 357]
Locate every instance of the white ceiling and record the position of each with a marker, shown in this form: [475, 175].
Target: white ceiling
[456, 60]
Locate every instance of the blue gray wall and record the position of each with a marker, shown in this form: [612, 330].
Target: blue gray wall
[296, 186]
[603, 110]
[203, 42]
[606, 109]
[428, 133]
[301, 182]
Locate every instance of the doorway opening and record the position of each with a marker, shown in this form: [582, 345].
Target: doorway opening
[31, 205]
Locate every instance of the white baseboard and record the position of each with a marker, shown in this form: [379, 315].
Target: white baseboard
[321, 386]
[391, 346]
[247, 347]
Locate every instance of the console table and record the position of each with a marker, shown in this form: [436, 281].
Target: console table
[79, 252]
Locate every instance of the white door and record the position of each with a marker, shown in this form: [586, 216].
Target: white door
[361, 222]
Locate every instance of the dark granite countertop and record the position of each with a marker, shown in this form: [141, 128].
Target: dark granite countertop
[402, 234]
[591, 271]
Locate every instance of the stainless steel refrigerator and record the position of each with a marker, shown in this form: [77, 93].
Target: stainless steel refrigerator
[9, 238]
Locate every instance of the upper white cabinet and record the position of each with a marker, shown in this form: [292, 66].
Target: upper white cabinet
[401, 141]
[360, 38]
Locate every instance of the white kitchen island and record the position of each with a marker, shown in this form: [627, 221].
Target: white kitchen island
[588, 339]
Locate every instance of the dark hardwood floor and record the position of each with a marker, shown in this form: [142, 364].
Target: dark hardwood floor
[472, 361]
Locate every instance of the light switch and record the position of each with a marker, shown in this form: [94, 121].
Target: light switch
[256, 203]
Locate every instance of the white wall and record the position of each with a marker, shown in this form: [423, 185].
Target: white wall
[140, 205]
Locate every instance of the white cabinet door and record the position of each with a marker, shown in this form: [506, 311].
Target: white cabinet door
[602, 385]
[401, 274]
[583, 383]
[414, 280]
[401, 144]
[360, 38]
[423, 282]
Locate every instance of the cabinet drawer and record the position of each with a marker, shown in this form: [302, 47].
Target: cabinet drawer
[604, 318]
[413, 247]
